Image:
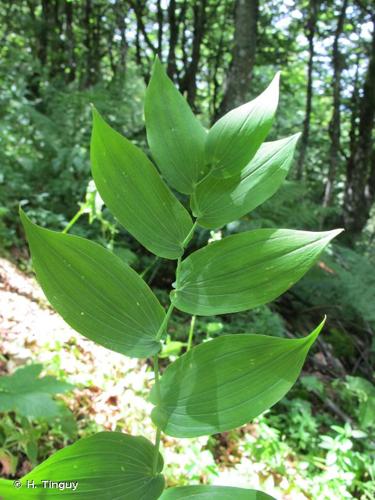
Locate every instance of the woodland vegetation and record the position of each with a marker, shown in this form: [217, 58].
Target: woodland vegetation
[60, 56]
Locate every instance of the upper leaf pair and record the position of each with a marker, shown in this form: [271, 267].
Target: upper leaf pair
[218, 168]
[135, 193]
[184, 151]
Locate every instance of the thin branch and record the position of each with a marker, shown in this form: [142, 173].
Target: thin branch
[138, 11]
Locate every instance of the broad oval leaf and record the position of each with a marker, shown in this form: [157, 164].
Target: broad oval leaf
[30, 396]
[135, 193]
[207, 492]
[224, 383]
[175, 136]
[246, 270]
[106, 466]
[235, 138]
[219, 201]
[95, 292]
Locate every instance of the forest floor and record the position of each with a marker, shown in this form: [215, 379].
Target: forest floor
[111, 393]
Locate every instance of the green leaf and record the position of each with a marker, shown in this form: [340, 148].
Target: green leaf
[207, 492]
[219, 201]
[224, 383]
[235, 138]
[30, 396]
[134, 192]
[246, 270]
[108, 465]
[175, 136]
[95, 292]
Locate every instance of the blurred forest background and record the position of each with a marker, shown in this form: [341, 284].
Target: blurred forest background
[57, 57]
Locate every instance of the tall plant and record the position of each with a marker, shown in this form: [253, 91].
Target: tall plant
[215, 386]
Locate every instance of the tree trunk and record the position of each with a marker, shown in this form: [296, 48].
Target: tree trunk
[173, 37]
[57, 53]
[69, 33]
[335, 123]
[243, 57]
[311, 29]
[41, 27]
[360, 172]
[217, 60]
[118, 61]
[43, 33]
[160, 19]
[175, 23]
[120, 16]
[188, 83]
[88, 44]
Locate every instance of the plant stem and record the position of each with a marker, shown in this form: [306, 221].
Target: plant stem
[164, 324]
[158, 430]
[189, 236]
[191, 332]
[157, 378]
[159, 334]
[162, 329]
[73, 221]
[157, 446]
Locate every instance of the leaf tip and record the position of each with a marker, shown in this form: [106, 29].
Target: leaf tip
[157, 69]
[275, 83]
[157, 61]
[95, 113]
[99, 124]
[24, 218]
[292, 140]
[315, 333]
[335, 232]
[271, 93]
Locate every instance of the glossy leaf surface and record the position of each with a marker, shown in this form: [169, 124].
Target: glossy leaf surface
[95, 292]
[246, 270]
[25, 393]
[207, 492]
[235, 138]
[135, 193]
[175, 136]
[226, 382]
[219, 201]
[108, 465]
